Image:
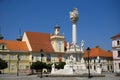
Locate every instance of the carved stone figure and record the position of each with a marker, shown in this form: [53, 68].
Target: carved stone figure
[82, 45]
[74, 16]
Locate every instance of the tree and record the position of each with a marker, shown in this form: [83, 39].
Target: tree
[3, 64]
[60, 65]
[49, 67]
[38, 65]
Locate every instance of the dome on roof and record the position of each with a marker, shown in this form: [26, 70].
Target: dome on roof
[57, 26]
[19, 38]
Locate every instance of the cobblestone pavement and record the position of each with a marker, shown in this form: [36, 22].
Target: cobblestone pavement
[109, 76]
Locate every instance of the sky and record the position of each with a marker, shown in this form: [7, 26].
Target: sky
[99, 20]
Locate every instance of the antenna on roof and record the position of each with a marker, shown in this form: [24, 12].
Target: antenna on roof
[1, 37]
[19, 38]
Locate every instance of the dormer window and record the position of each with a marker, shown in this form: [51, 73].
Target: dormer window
[3, 47]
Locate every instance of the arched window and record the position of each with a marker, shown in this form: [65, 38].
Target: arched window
[48, 57]
[59, 45]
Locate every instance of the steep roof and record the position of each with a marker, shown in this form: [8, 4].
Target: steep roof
[15, 46]
[116, 36]
[40, 41]
[94, 52]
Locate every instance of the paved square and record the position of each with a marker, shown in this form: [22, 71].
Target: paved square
[109, 76]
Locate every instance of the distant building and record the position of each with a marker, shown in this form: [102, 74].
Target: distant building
[29, 48]
[116, 52]
[100, 57]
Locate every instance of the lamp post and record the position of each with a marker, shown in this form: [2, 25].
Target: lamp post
[31, 65]
[88, 51]
[18, 64]
[41, 52]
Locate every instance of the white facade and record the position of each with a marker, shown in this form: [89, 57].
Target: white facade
[57, 40]
[116, 52]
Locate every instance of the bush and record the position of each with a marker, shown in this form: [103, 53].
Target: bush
[3, 64]
[60, 65]
[38, 65]
[49, 67]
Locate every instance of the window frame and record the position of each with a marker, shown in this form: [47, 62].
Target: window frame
[118, 54]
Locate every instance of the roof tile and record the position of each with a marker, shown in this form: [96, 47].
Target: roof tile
[94, 52]
[15, 45]
[40, 41]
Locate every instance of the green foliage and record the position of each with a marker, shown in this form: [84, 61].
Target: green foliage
[3, 64]
[38, 65]
[49, 66]
[60, 65]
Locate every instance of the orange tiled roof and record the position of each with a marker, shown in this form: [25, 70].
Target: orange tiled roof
[94, 52]
[40, 41]
[12, 45]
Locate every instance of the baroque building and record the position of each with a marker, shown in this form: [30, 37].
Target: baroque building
[9, 51]
[28, 49]
[99, 57]
[116, 52]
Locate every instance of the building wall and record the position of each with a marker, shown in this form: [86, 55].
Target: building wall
[116, 53]
[25, 60]
[116, 66]
[57, 42]
[27, 41]
[105, 63]
[12, 59]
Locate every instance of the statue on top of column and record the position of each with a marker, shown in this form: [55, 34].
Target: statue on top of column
[74, 15]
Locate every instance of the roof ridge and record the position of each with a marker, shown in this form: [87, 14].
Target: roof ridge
[11, 41]
[36, 32]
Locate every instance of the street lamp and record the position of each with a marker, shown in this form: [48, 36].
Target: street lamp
[41, 52]
[18, 57]
[31, 65]
[88, 51]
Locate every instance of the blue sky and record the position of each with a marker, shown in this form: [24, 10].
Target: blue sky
[99, 19]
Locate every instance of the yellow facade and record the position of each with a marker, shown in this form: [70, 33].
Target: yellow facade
[12, 59]
[26, 50]
[25, 60]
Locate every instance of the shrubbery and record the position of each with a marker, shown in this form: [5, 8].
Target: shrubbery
[60, 65]
[3, 64]
[42, 65]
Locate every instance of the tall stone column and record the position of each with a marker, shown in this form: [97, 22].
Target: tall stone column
[74, 38]
[74, 16]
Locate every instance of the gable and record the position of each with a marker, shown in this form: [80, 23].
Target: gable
[39, 41]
